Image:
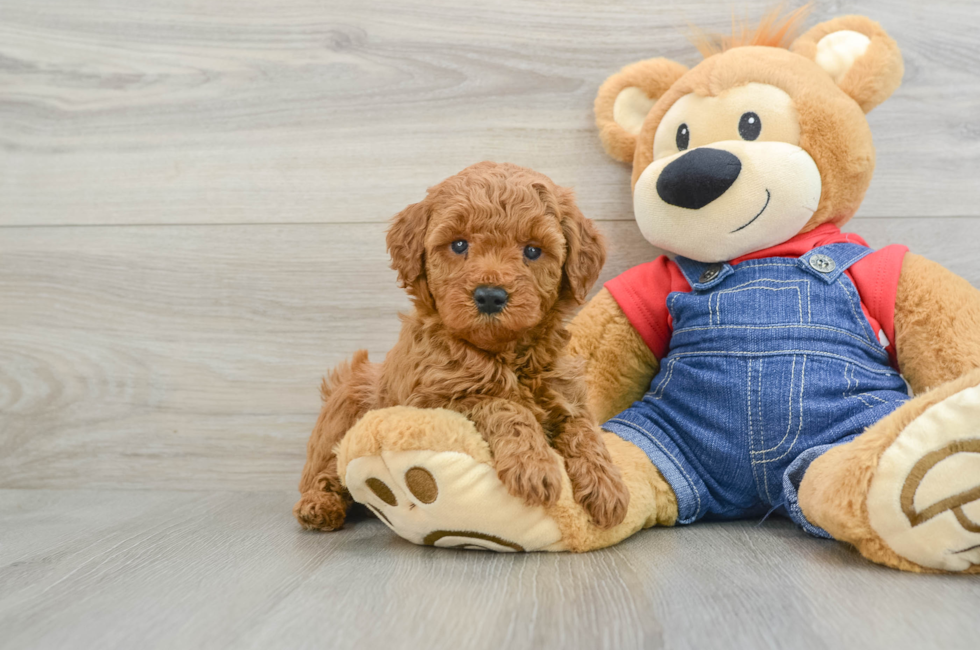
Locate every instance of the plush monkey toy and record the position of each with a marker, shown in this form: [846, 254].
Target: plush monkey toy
[758, 370]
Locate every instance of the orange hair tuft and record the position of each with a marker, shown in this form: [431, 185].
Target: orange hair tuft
[775, 30]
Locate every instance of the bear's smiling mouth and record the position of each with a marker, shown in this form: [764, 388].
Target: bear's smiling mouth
[768, 196]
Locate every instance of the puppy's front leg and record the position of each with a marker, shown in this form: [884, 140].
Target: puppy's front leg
[596, 482]
[525, 463]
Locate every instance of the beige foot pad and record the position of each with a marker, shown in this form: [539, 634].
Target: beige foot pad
[442, 495]
[448, 499]
[924, 499]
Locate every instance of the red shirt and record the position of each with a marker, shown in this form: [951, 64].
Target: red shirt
[642, 291]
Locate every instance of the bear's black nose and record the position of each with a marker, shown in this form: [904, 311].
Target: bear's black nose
[490, 300]
[697, 178]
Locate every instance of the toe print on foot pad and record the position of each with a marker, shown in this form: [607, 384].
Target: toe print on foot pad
[450, 500]
[924, 499]
[954, 503]
[422, 484]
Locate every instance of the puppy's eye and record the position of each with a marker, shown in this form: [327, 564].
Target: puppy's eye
[532, 252]
[683, 137]
[749, 126]
[459, 246]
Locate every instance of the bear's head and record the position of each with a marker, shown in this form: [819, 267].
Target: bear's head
[759, 142]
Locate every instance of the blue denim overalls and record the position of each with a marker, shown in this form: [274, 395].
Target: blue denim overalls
[771, 363]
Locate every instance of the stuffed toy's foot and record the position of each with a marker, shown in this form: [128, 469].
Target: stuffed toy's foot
[429, 475]
[906, 493]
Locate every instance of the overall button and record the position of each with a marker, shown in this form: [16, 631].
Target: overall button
[710, 273]
[822, 263]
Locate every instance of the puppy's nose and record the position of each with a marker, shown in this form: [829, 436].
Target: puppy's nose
[490, 300]
[697, 178]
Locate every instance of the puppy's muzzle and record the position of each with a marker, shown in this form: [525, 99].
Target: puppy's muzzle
[490, 300]
[697, 178]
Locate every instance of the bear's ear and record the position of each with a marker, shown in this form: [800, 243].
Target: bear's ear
[624, 100]
[858, 55]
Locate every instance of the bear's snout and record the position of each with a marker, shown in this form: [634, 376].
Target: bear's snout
[698, 177]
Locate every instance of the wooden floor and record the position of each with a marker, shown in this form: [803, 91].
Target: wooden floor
[193, 196]
[172, 569]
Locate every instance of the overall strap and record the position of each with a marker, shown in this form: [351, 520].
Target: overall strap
[702, 276]
[829, 262]
[825, 262]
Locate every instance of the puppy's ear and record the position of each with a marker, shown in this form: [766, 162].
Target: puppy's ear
[858, 55]
[406, 245]
[624, 100]
[585, 248]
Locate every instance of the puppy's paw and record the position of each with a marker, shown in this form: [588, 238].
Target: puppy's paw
[600, 490]
[535, 477]
[319, 510]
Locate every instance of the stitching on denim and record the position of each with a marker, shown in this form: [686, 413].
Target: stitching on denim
[857, 384]
[762, 434]
[861, 397]
[749, 264]
[666, 451]
[786, 353]
[849, 393]
[809, 307]
[757, 280]
[856, 256]
[717, 294]
[789, 424]
[870, 396]
[748, 392]
[861, 322]
[850, 302]
[662, 386]
[799, 430]
[875, 348]
[799, 297]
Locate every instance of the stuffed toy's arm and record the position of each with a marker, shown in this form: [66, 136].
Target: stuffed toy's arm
[618, 364]
[937, 324]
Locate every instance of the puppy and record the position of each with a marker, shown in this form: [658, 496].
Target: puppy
[494, 259]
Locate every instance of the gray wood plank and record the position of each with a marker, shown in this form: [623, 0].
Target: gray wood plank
[163, 378]
[242, 111]
[189, 357]
[94, 569]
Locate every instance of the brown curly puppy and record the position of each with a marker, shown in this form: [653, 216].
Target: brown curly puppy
[494, 258]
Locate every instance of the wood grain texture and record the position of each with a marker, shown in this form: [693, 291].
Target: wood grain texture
[192, 207]
[91, 569]
[245, 111]
[189, 357]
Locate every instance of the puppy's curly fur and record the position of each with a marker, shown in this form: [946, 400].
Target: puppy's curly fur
[508, 372]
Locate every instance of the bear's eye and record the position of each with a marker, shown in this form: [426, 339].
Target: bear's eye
[459, 246]
[532, 252]
[683, 137]
[750, 126]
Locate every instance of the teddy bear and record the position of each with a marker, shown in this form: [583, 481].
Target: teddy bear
[772, 363]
